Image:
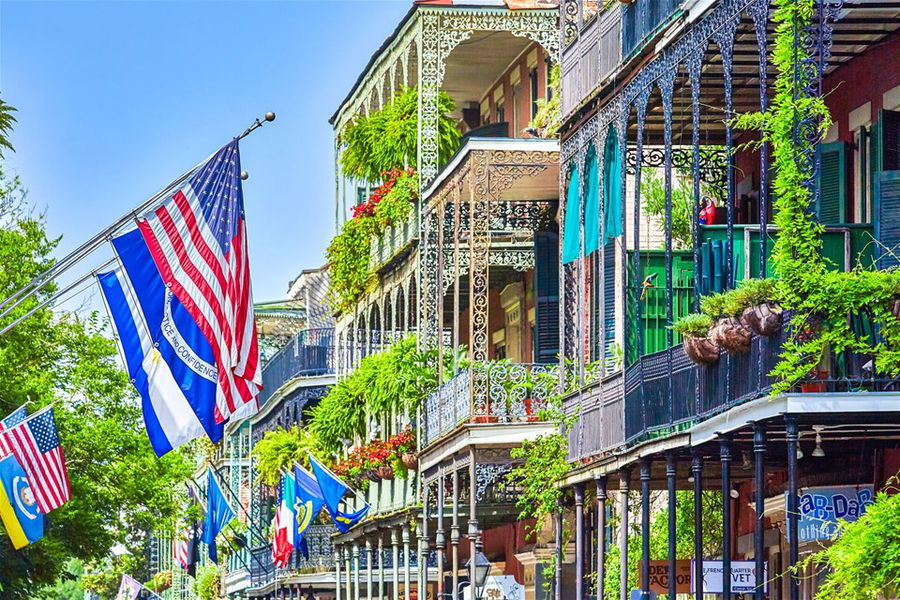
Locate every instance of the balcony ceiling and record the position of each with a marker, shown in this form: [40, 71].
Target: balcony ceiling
[861, 26]
[475, 64]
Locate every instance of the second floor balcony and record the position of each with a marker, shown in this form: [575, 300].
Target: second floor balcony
[310, 352]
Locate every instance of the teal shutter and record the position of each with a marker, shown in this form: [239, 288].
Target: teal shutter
[572, 228]
[887, 219]
[832, 206]
[546, 288]
[609, 302]
[591, 203]
[890, 140]
[612, 185]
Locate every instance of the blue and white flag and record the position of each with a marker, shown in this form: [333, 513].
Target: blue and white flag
[168, 358]
[218, 513]
[308, 504]
[333, 490]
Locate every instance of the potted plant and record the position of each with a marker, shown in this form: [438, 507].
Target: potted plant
[404, 444]
[380, 454]
[727, 330]
[759, 312]
[694, 330]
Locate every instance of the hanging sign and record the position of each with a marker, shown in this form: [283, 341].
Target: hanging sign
[659, 576]
[743, 577]
[821, 507]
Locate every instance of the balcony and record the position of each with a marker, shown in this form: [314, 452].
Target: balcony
[649, 401]
[309, 353]
[494, 392]
[321, 558]
[642, 20]
[590, 59]
[387, 496]
[395, 239]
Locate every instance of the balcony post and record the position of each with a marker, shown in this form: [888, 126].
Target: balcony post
[671, 475]
[407, 574]
[601, 535]
[792, 438]
[348, 561]
[380, 566]
[697, 472]
[356, 582]
[454, 538]
[368, 569]
[337, 572]
[422, 572]
[725, 459]
[579, 541]
[624, 483]
[557, 555]
[645, 527]
[440, 541]
[759, 527]
[474, 533]
[395, 548]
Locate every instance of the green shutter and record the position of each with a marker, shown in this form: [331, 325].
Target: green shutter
[546, 289]
[890, 140]
[887, 225]
[572, 228]
[832, 183]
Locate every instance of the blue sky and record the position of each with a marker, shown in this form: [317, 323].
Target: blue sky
[117, 98]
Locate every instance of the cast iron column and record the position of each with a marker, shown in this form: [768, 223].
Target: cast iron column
[368, 569]
[624, 482]
[759, 480]
[793, 535]
[337, 573]
[725, 458]
[440, 540]
[557, 556]
[474, 532]
[348, 562]
[645, 528]
[697, 471]
[422, 547]
[381, 593]
[454, 539]
[356, 583]
[395, 555]
[407, 574]
[671, 473]
[579, 541]
[601, 535]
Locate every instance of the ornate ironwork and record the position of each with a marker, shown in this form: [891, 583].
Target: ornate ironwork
[487, 475]
[713, 162]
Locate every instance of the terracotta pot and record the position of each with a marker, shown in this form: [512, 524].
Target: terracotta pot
[530, 410]
[485, 419]
[731, 335]
[815, 387]
[385, 472]
[764, 319]
[372, 475]
[895, 307]
[410, 460]
[701, 351]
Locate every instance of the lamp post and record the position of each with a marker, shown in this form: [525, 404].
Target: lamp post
[482, 568]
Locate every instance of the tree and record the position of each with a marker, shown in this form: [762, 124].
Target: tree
[120, 489]
[6, 122]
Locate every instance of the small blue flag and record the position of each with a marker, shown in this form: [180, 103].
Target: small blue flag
[218, 513]
[309, 503]
[22, 519]
[333, 490]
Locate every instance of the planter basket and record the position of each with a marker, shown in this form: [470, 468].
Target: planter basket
[731, 335]
[701, 350]
[895, 306]
[385, 472]
[372, 475]
[764, 319]
[410, 460]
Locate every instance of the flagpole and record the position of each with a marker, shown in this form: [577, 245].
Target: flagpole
[88, 247]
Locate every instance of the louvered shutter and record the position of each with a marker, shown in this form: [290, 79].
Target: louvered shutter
[832, 183]
[887, 218]
[609, 301]
[546, 288]
[890, 140]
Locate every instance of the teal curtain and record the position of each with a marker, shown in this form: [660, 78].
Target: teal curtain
[592, 203]
[612, 185]
[571, 241]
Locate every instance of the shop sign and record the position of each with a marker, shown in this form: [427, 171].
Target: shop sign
[820, 509]
[743, 577]
[659, 576]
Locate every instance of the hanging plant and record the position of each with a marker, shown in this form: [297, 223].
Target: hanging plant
[388, 138]
[694, 330]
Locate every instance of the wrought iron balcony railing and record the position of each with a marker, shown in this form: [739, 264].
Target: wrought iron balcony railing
[492, 392]
[321, 558]
[642, 19]
[310, 352]
[395, 239]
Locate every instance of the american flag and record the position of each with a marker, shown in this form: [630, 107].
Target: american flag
[198, 240]
[180, 551]
[36, 445]
[13, 419]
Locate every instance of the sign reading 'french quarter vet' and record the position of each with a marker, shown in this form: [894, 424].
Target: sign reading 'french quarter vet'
[820, 509]
[743, 577]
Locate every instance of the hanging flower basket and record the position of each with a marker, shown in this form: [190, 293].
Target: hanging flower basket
[385, 472]
[895, 306]
[701, 350]
[410, 460]
[372, 475]
[763, 319]
[730, 334]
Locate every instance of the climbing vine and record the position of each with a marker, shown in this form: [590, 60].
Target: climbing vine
[821, 299]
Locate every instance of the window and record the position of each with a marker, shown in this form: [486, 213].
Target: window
[501, 111]
[362, 194]
[533, 80]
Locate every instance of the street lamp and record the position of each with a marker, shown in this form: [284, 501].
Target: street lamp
[482, 568]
